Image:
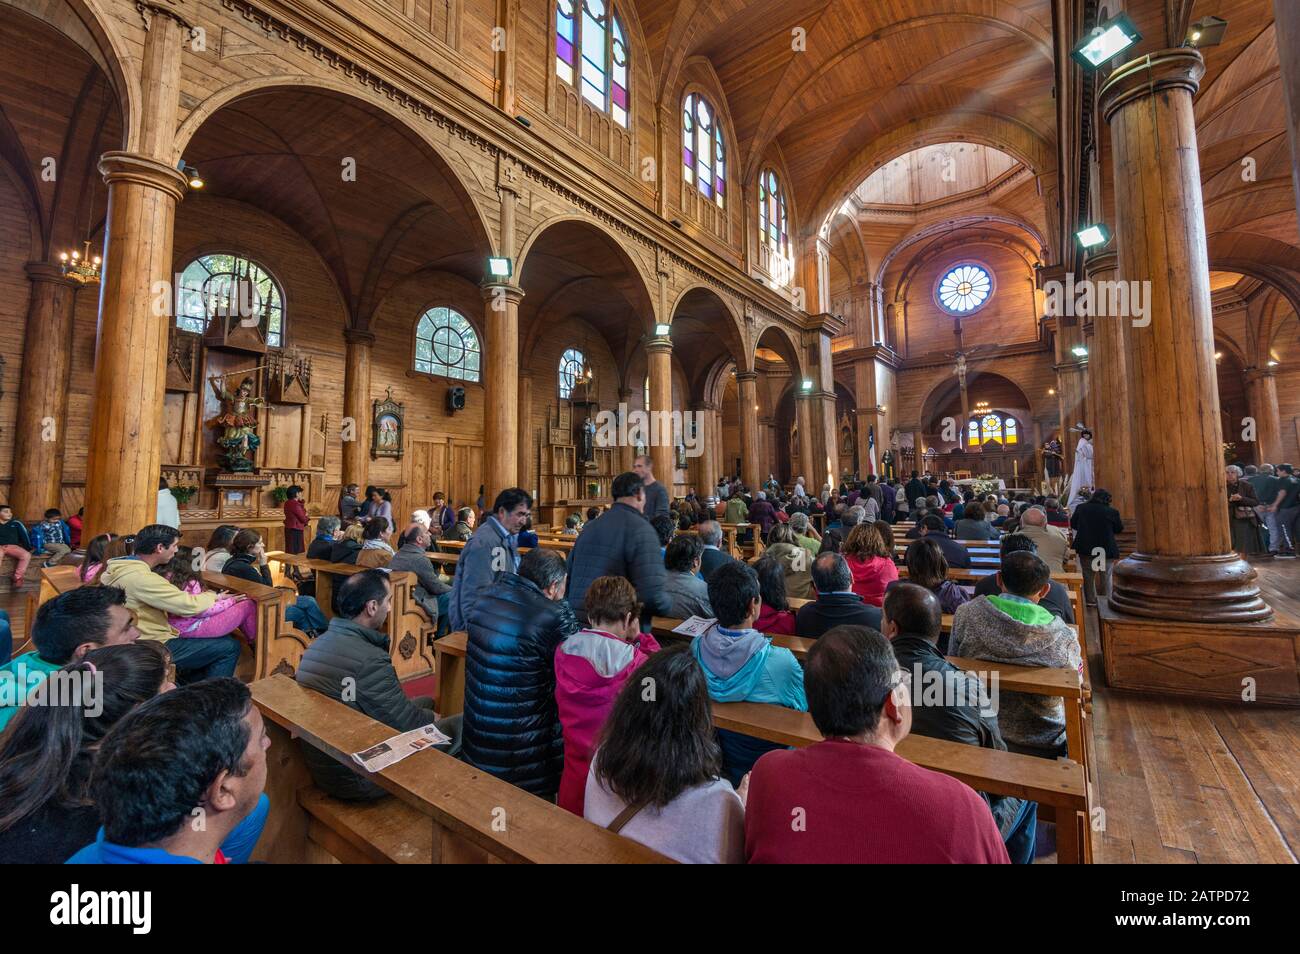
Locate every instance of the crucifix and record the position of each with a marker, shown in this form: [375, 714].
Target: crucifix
[960, 371]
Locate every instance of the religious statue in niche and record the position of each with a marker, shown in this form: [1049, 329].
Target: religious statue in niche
[887, 464]
[237, 421]
[387, 428]
[586, 447]
[681, 456]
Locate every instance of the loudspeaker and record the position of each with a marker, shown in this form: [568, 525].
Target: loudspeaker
[456, 398]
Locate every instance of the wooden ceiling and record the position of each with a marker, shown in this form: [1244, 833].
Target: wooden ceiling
[933, 69]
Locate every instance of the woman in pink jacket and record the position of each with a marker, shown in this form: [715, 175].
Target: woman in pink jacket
[590, 668]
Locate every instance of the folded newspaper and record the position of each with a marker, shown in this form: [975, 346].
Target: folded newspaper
[693, 626]
[391, 751]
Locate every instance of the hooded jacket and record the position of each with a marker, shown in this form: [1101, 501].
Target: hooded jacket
[151, 597]
[1019, 632]
[512, 727]
[742, 665]
[797, 563]
[590, 669]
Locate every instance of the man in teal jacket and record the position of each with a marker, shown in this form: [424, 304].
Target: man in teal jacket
[65, 629]
[741, 665]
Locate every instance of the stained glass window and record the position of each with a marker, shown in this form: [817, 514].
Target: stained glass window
[446, 344]
[773, 226]
[704, 155]
[591, 54]
[564, 40]
[964, 289]
[572, 364]
[992, 426]
[225, 284]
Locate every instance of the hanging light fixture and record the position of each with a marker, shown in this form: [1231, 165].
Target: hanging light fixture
[81, 267]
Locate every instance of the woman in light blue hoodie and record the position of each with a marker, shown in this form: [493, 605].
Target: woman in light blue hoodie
[741, 664]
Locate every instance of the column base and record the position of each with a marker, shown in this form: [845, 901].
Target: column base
[1201, 589]
[1235, 662]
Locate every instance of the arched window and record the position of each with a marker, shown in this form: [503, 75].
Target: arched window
[591, 54]
[226, 284]
[774, 227]
[446, 344]
[704, 156]
[964, 289]
[992, 426]
[572, 364]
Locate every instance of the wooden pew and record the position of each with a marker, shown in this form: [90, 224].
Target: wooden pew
[564, 545]
[443, 810]
[1058, 786]
[280, 644]
[410, 633]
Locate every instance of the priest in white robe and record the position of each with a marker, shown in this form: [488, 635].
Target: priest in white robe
[1082, 477]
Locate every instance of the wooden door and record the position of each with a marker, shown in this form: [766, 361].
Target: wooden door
[466, 472]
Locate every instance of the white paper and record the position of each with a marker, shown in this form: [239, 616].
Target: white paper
[391, 751]
[694, 626]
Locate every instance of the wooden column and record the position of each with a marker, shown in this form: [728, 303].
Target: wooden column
[1108, 380]
[501, 389]
[659, 357]
[356, 406]
[1286, 19]
[747, 390]
[918, 454]
[626, 452]
[704, 472]
[304, 438]
[43, 392]
[527, 452]
[807, 410]
[1261, 394]
[1183, 567]
[124, 458]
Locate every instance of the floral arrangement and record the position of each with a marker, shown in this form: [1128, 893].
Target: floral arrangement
[183, 495]
[280, 495]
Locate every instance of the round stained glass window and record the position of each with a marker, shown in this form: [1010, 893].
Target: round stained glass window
[965, 289]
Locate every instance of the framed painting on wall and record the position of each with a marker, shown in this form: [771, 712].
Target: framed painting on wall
[386, 431]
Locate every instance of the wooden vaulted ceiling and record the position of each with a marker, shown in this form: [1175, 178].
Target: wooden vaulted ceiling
[872, 80]
[373, 200]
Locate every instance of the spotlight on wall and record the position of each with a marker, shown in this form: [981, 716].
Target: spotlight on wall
[499, 267]
[675, 223]
[807, 385]
[192, 177]
[1106, 41]
[1079, 351]
[1218, 356]
[522, 120]
[663, 331]
[1207, 31]
[1272, 363]
[1093, 236]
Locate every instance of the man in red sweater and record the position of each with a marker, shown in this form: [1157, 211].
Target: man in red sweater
[849, 799]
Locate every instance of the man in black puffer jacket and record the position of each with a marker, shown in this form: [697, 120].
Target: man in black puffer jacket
[350, 663]
[512, 726]
[621, 543]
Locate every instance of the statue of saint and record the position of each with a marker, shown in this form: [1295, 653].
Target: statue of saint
[238, 423]
[586, 451]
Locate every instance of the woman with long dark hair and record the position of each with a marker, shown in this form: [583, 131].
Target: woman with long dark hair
[776, 617]
[46, 754]
[94, 558]
[656, 777]
[928, 567]
[218, 548]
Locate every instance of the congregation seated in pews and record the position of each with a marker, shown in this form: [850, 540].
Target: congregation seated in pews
[562, 684]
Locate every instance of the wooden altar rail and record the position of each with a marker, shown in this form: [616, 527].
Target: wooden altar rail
[442, 810]
[410, 634]
[1058, 786]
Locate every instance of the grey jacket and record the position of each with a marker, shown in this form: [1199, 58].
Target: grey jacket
[689, 595]
[475, 570]
[413, 559]
[350, 664]
[656, 500]
[980, 630]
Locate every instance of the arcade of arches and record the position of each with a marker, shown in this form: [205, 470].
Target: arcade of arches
[823, 254]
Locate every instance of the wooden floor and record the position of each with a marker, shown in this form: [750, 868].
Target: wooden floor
[1182, 781]
[1179, 781]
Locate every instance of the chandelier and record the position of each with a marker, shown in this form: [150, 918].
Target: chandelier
[81, 268]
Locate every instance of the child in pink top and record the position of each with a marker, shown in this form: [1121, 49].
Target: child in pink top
[590, 668]
[226, 615]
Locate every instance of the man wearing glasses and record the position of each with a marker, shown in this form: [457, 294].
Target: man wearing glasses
[493, 549]
[850, 799]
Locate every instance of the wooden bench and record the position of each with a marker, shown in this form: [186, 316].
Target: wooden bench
[565, 545]
[410, 633]
[443, 810]
[1058, 786]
